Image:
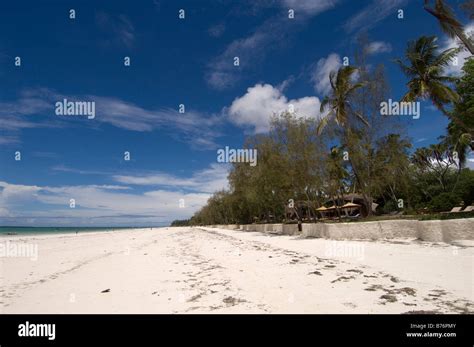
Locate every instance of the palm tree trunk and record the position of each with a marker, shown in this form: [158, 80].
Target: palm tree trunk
[464, 39]
[457, 30]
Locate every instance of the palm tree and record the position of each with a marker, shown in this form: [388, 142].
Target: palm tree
[338, 102]
[458, 141]
[461, 139]
[425, 70]
[448, 22]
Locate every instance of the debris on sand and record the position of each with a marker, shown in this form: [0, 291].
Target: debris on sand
[343, 278]
[389, 298]
[315, 273]
[231, 301]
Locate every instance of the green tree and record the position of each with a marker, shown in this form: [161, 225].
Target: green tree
[448, 21]
[337, 104]
[460, 135]
[392, 163]
[425, 69]
[339, 108]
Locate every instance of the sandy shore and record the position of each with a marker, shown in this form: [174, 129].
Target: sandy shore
[191, 270]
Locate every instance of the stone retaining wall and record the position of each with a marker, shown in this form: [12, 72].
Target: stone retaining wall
[433, 230]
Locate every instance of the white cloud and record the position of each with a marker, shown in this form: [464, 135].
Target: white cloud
[375, 12]
[456, 70]
[379, 47]
[262, 101]
[273, 33]
[4, 212]
[310, 7]
[111, 204]
[10, 139]
[193, 127]
[18, 191]
[19, 114]
[222, 73]
[320, 75]
[208, 180]
[285, 84]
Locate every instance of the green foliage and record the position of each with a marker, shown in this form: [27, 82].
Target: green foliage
[445, 202]
[180, 223]
[424, 67]
[461, 127]
[464, 187]
[442, 216]
[361, 152]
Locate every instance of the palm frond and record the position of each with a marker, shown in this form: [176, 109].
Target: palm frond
[322, 124]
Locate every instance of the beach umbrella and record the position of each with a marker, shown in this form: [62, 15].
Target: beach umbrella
[350, 205]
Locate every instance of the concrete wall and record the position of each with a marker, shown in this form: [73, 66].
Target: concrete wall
[433, 231]
[250, 227]
[290, 229]
[447, 230]
[367, 230]
[275, 229]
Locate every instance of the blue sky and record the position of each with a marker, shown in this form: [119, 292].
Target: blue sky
[173, 61]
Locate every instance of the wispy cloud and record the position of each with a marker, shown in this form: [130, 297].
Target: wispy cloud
[35, 108]
[64, 168]
[221, 72]
[377, 47]
[49, 155]
[9, 140]
[217, 30]
[301, 7]
[309, 7]
[208, 180]
[321, 71]
[22, 205]
[26, 113]
[119, 27]
[109, 204]
[372, 14]
[252, 49]
[193, 127]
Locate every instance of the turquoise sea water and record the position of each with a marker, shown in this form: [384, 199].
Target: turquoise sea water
[54, 230]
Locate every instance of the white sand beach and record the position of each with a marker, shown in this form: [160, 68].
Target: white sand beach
[204, 270]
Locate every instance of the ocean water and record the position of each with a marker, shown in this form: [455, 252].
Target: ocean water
[54, 230]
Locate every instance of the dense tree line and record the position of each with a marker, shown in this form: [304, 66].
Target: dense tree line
[355, 149]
